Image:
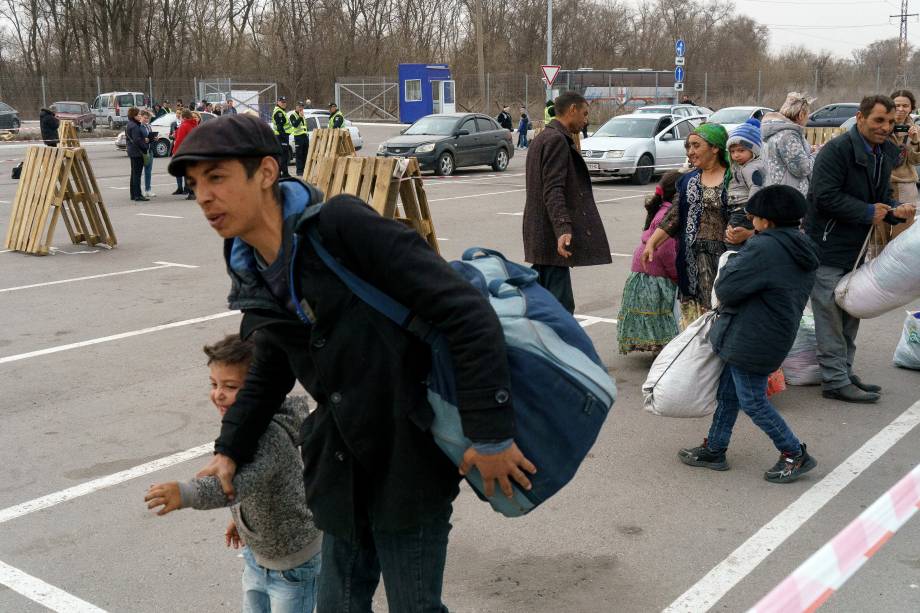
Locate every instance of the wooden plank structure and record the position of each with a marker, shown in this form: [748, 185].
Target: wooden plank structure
[326, 143]
[67, 135]
[57, 181]
[820, 136]
[384, 183]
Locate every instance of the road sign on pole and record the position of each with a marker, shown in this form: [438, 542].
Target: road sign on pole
[678, 87]
[550, 73]
[679, 74]
[679, 61]
[680, 48]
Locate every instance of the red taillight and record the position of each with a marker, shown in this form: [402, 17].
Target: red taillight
[117, 110]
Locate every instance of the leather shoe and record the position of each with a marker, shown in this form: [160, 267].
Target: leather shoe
[851, 393]
[866, 387]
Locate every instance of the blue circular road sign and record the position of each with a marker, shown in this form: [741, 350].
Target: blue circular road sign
[679, 74]
[680, 47]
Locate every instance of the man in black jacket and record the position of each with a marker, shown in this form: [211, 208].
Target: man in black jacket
[850, 191]
[377, 484]
[49, 123]
[504, 119]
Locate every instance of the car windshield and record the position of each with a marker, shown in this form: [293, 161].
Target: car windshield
[126, 100]
[730, 116]
[65, 107]
[435, 126]
[629, 127]
[654, 109]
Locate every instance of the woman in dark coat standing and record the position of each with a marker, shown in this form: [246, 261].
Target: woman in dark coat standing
[49, 125]
[562, 226]
[137, 148]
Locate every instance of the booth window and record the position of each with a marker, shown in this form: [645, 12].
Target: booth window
[413, 90]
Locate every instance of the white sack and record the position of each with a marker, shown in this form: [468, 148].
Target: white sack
[684, 378]
[801, 365]
[907, 354]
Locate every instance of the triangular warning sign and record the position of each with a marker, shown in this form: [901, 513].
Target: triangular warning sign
[550, 72]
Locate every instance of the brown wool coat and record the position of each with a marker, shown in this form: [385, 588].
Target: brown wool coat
[560, 201]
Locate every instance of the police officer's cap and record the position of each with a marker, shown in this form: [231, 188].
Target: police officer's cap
[224, 138]
[300, 104]
[282, 99]
[333, 104]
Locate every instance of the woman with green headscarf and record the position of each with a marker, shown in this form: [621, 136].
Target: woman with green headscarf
[698, 221]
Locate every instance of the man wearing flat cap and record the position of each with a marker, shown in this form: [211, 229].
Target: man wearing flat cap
[375, 481]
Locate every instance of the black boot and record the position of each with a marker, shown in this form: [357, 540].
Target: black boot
[790, 467]
[851, 393]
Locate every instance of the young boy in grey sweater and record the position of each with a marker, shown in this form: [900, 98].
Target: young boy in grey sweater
[747, 170]
[270, 515]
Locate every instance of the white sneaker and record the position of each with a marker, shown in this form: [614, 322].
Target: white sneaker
[151, 195]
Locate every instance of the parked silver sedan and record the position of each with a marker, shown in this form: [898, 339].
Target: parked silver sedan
[638, 146]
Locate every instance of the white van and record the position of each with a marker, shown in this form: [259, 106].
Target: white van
[111, 109]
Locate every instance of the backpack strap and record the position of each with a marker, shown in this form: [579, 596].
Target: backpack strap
[373, 297]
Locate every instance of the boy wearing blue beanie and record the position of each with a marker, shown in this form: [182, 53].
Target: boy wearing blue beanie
[747, 177]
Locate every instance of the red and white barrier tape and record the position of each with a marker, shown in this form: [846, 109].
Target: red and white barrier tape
[816, 580]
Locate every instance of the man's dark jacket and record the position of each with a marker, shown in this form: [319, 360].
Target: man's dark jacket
[49, 123]
[762, 292]
[136, 139]
[560, 200]
[842, 188]
[504, 120]
[367, 450]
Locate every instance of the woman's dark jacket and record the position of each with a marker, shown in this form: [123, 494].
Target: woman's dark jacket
[762, 292]
[136, 139]
[367, 450]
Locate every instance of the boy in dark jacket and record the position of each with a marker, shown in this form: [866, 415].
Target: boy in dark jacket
[49, 123]
[762, 292]
[377, 484]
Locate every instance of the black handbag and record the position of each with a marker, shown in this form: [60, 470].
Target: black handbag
[17, 170]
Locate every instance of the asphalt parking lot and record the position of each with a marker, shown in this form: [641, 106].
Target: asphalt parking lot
[104, 392]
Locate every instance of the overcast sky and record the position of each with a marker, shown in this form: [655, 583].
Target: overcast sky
[826, 25]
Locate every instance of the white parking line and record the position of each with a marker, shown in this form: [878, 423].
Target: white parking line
[43, 593]
[44, 502]
[114, 337]
[620, 198]
[160, 265]
[154, 215]
[743, 560]
[510, 191]
[621, 255]
[589, 320]
[518, 214]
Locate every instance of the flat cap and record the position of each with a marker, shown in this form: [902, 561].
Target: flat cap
[224, 138]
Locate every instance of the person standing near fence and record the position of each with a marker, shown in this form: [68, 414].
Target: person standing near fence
[562, 226]
[523, 128]
[230, 108]
[504, 119]
[148, 157]
[49, 124]
[301, 138]
[850, 192]
[189, 123]
[336, 119]
[136, 140]
[281, 125]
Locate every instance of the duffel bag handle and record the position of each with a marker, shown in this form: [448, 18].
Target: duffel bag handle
[474, 253]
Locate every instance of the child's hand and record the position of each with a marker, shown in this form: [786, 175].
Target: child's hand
[165, 495]
[232, 536]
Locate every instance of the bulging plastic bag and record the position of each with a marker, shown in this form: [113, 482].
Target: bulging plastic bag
[907, 353]
[801, 364]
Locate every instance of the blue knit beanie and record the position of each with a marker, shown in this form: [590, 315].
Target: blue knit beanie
[746, 134]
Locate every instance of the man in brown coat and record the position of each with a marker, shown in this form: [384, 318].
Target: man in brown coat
[562, 227]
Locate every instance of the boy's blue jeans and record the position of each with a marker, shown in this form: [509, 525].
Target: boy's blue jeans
[279, 591]
[411, 561]
[745, 391]
[148, 174]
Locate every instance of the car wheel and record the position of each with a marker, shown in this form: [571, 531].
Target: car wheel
[161, 148]
[644, 170]
[501, 160]
[445, 166]
[14, 125]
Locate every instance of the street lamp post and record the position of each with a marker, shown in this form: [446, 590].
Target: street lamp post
[549, 43]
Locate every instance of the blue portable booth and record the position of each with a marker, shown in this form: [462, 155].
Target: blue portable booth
[425, 89]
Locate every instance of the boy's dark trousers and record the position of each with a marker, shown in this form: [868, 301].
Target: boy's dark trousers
[302, 141]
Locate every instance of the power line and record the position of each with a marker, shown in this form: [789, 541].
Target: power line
[902, 44]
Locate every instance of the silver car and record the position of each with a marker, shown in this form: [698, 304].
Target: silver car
[638, 146]
[678, 110]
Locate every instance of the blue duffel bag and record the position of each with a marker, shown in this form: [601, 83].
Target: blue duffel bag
[560, 389]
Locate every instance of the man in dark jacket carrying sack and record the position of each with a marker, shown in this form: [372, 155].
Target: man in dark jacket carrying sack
[49, 123]
[850, 191]
[762, 291]
[377, 484]
[562, 226]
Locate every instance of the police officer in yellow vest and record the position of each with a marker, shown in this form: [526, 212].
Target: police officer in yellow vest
[301, 139]
[281, 126]
[336, 119]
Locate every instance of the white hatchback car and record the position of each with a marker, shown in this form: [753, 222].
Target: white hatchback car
[319, 118]
[638, 146]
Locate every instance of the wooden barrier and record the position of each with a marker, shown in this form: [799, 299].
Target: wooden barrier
[67, 135]
[820, 136]
[384, 183]
[326, 143]
[57, 181]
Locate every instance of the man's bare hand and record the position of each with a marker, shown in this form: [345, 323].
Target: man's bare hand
[232, 536]
[499, 466]
[905, 211]
[562, 245]
[224, 468]
[737, 235]
[880, 211]
[164, 495]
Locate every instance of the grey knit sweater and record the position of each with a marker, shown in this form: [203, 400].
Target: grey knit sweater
[271, 515]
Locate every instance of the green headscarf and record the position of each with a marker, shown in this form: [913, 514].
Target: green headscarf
[716, 135]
